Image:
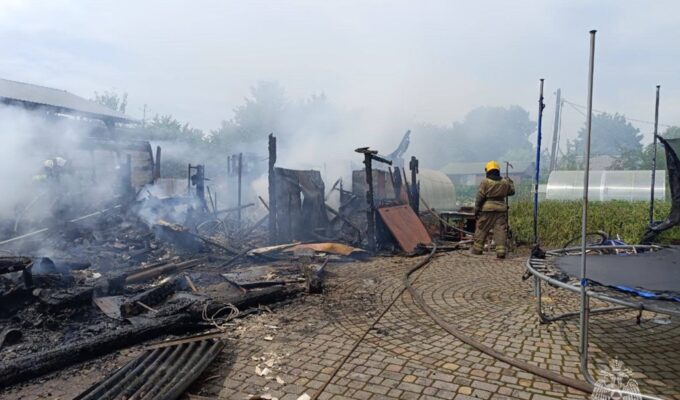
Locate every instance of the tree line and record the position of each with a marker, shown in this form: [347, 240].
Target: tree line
[488, 132]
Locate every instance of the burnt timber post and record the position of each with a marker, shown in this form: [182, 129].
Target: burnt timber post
[369, 156]
[200, 183]
[127, 191]
[370, 211]
[157, 165]
[273, 231]
[198, 180]
[415, 185]
[240, 173]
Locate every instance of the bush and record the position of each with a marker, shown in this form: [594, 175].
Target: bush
[560, 221]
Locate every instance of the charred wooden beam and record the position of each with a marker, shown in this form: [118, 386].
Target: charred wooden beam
[163, 269]
[273, 229]
[314, 276]
[21, 369]
[149, 297]
[13, 264]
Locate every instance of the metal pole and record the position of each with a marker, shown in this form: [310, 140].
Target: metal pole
[656, 132]
[538, 164]
[585, 307]
[240, 172]
[556, 125]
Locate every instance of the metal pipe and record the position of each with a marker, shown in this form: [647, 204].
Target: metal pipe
[556, 124]
[656, 132]
[583, 348]
[541, 106]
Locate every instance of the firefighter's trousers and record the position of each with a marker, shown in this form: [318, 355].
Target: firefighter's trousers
[488, 220]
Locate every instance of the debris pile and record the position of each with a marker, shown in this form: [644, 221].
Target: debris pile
[154, 263]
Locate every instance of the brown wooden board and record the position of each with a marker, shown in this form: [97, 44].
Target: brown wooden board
[405, 226]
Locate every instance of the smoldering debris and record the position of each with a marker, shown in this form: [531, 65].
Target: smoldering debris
[157, 257]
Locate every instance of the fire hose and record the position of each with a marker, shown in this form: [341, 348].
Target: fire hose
[420, 302]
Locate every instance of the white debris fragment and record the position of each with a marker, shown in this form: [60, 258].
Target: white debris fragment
[280, 381]
[268, 338]
[305, 396]
[262, 372]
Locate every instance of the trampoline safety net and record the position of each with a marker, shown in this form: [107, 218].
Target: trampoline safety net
[672, 148]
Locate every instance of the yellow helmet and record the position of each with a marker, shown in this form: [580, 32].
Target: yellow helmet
[492, 165]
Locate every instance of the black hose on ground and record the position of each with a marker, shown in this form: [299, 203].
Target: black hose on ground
[550, 375]
[420, 264]
[420, 302]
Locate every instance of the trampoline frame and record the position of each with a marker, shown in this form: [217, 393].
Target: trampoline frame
[618, 304]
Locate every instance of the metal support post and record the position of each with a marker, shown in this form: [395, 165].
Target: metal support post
[656, 132]
[585, 301]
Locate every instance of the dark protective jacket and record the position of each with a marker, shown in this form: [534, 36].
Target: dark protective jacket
[492, 192]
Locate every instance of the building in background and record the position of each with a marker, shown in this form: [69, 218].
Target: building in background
[472, 173]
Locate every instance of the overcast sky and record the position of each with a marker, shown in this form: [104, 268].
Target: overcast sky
[411, 61]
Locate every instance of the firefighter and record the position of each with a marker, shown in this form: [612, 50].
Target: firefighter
[54, 178]
[490, 209]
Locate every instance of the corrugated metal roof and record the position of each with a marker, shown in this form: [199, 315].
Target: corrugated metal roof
[477, 168]
[30, 95]
[405, 226]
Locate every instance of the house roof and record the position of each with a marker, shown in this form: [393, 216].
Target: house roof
[33, 96]
[477, 168]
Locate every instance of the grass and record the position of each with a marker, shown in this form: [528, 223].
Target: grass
[560, 221]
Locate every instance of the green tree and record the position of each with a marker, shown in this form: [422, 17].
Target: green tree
[486, 133]
[642, 159]
[572, 158]
[673, 132]
[263, 112]
[112, 100]
[492, 132]
[167, 127]
[611, 135]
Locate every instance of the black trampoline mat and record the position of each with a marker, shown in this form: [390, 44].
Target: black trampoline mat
[657, 271]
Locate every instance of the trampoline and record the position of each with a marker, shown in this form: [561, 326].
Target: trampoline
[644, 277]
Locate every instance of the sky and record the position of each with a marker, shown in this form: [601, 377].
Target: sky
[400, 62]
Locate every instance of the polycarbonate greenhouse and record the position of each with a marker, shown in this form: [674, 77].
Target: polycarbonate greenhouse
[606, 185]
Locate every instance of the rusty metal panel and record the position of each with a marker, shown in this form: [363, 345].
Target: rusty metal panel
[160, 372]
[405, 226]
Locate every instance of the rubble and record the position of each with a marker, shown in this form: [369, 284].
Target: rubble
[157, 266]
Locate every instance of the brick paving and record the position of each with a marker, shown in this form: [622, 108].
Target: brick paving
[408, 356]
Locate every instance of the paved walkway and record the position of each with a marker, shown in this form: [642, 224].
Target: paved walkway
[408, 356]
